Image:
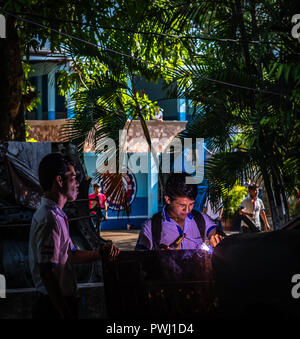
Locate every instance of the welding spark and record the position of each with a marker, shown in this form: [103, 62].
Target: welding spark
[206, 248]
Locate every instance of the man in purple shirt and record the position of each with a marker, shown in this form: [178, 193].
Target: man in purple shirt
[51, 251]
[179, 223]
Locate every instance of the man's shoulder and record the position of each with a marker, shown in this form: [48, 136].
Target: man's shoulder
[246, 199]
[147, 224]
[197, 217]
[43, 215]
[260, 201]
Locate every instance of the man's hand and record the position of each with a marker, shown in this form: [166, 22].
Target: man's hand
[164, 247]
[215, 239]
[268, 228]
[109, 251]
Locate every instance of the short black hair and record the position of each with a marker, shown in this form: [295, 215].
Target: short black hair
[96, 185]
[252, 186]
[176, 187]
[52, 165]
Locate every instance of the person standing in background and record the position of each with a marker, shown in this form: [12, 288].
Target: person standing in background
[97, 204]
[252, 208]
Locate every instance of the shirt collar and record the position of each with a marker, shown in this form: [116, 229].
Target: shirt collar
[53, 205]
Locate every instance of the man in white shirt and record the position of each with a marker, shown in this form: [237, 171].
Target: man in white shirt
[252, 208]
[51, 251]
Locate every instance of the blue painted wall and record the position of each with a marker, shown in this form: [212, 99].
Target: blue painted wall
[139, 207]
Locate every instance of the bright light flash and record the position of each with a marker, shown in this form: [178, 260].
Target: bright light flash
[206, 248]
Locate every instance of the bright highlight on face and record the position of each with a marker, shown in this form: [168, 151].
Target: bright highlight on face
[181, 206]
[71, 184]
[253, 193]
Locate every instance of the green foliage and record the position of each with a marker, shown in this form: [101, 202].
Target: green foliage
[242, 75]
[146, 106]
[129, 36]
[233, 199]
[28, 128]
[246, 94]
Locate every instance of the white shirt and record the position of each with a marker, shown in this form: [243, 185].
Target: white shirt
[50, 245]
[213, 213]
[252, 206]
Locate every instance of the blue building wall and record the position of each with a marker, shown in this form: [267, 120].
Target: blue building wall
[139, 206]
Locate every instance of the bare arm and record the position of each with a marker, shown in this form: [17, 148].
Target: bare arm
[243, 211]
[105, 208]
[107, 250]
[84, 257]
[264, 217]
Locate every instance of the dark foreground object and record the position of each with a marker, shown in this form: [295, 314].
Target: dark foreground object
[159, 284]
[248, 277]
[253, 274]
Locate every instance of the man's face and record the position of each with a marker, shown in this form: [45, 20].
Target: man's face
[70, 185]
[181, 206]
[253, 193]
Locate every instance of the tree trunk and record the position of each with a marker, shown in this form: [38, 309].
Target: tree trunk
[268, 186]
[12, 102]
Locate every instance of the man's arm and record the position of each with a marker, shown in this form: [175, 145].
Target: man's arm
[242, 211]
[84, 257]
[211, 231]
[265, 220]
[108, 250]
[105, 208]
